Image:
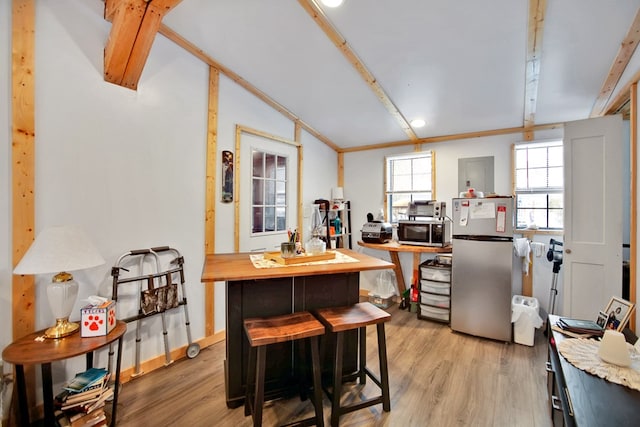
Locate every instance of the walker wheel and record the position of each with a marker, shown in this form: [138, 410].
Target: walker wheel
[193, 350]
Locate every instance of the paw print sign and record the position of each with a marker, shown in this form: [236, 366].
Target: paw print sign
[98, 320]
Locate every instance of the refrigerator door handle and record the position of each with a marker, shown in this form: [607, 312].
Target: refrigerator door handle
[483, 238]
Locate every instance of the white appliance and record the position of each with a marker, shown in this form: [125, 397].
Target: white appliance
[483, 260]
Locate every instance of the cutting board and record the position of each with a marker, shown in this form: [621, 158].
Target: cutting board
[299, 259]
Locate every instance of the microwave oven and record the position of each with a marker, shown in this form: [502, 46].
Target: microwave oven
[425, 233]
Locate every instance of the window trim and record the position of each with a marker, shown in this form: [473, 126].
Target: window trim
[515, 192]
[412, 155]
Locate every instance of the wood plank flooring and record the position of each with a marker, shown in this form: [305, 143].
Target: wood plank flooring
[437, 378]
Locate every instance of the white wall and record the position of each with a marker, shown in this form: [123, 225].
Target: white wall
[128, 166]
[364, 185]
[237, 106]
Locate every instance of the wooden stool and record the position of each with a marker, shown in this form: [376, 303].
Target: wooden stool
[271, 330]
[358, 316]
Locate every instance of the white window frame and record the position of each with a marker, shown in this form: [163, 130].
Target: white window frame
[279, 184]
[551, 191]
[415, 189]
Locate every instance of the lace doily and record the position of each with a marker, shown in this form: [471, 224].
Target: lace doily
[583, 354]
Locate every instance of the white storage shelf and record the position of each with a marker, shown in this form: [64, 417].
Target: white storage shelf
[435, 291]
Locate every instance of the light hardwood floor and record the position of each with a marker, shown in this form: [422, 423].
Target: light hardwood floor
[437, 378]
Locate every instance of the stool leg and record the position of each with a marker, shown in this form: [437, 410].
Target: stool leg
[362, 359]
[337, 380]
[317, 382]
[251, 381]
[301, 370]
[384, 371]
[259, 393]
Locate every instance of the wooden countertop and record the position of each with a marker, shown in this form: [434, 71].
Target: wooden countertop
[238, 266]
[394, 246]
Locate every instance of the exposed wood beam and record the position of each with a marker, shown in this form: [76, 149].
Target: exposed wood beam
[199, 53]
[323, 22]
[210, 201]
[627, 48]
[134, 28]
[537, 10]
[453, 137]
[23, 29]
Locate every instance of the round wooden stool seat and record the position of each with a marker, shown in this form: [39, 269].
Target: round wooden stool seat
[339, 320]
[264, 331]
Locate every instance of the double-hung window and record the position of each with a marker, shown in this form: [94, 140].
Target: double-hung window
[408, 178]
[539, 185]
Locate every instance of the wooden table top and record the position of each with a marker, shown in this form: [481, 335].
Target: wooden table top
[28, 351]
[238, 266]
[394, 246]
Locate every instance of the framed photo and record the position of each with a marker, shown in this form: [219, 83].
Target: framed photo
[602, 319]
[618, 311]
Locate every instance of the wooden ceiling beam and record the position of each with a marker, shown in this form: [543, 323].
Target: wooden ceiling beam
[135, 24]
[537, 11]
[325, 25]
[627, 48]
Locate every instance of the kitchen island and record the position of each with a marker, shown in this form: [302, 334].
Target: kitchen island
[262, 292]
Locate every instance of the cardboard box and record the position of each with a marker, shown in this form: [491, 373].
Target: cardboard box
[97, 320]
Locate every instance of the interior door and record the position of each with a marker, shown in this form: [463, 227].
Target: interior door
[256, 238]
[592, 215]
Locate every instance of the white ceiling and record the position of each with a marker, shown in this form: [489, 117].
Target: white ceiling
[459, 64]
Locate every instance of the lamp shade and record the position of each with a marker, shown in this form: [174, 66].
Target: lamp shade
[57, 249]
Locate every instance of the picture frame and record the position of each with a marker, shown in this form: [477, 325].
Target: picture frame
[602, 319]
[618, 312]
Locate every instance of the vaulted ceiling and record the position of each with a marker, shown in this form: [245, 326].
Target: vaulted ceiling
[356, 75]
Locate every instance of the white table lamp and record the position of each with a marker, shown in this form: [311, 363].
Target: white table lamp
[60, 250]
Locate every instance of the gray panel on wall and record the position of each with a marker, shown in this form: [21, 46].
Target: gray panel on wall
[476, 173]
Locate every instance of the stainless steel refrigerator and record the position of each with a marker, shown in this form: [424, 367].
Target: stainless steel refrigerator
[483, 259]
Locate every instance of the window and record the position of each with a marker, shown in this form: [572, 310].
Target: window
[269, 192]
[539, 185]
[408, 178]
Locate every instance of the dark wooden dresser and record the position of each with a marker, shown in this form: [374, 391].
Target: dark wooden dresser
[577, 398]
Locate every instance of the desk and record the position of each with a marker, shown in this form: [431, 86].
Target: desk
[28, 351]
[261, 292]
[585, 399]
[394, 247]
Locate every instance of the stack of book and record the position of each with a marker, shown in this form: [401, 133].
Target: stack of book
[82, 400]
[580, 327]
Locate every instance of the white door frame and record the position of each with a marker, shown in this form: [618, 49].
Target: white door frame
[237, 167]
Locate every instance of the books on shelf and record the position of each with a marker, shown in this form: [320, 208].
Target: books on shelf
[86, 379]
[82, 400]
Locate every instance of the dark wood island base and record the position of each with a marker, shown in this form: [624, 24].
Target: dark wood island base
[254, 292]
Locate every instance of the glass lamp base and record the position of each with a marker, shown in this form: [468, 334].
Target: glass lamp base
[62, 329]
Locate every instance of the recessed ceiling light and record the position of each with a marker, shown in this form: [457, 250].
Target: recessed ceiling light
[332, 3]
[417, 123]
